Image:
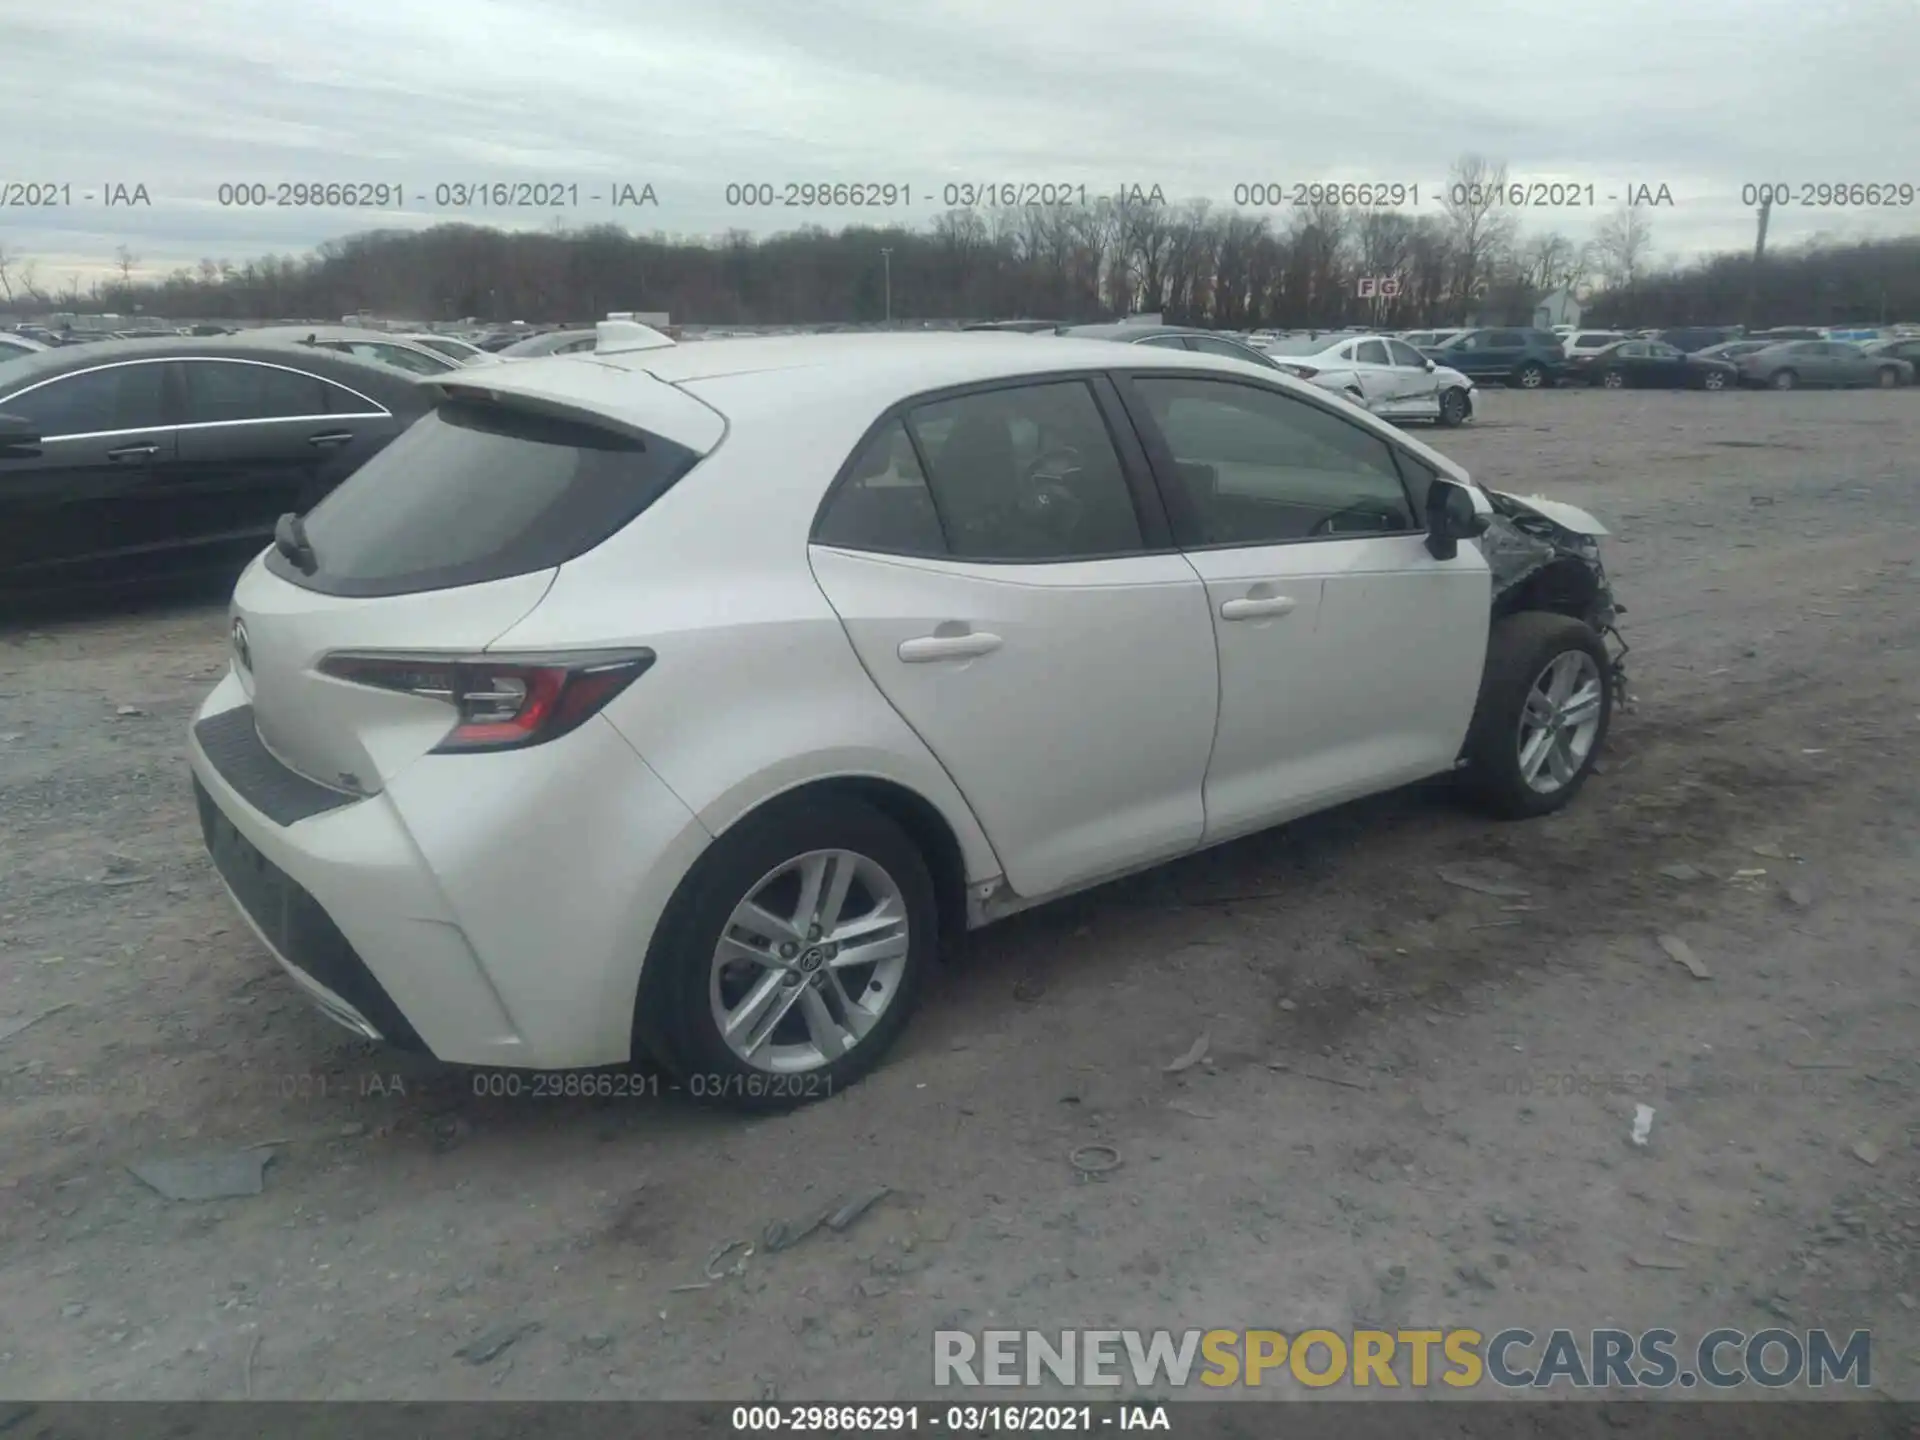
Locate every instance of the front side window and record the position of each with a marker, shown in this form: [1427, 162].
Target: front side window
[1260, 468]
[1506, 339]
[119, 397]
[1405, 356]
[884, 504]
[1026, 473]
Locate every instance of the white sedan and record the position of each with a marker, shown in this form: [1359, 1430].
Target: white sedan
[681, 700]
[1379, 373]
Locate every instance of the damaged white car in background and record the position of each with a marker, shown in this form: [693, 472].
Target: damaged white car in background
[682, 699]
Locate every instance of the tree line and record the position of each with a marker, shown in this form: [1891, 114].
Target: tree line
[1194, 263]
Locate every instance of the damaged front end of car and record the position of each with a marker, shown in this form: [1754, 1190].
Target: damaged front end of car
[1545, 555]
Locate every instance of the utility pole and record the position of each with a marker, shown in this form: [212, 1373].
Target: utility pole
[1759, 254]
[886, 259]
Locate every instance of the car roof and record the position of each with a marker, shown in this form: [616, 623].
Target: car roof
[64, 359]
[297, 333]
[1119, 330]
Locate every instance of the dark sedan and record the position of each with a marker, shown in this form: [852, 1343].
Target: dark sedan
[1655, 365]
[1172, 337]
[135, 462]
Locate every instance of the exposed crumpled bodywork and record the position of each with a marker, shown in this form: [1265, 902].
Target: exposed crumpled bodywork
[1545, 555]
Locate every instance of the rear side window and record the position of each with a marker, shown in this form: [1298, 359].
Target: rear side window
[476, 492]
[884, 503]
[228, 390]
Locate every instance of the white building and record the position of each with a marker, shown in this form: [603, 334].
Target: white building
[1559, 308]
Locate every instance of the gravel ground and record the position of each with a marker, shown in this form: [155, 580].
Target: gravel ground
[1414, 1107]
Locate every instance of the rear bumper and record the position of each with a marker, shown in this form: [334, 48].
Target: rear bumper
[485, 909]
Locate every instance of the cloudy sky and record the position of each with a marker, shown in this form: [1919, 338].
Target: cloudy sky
[1195, 96]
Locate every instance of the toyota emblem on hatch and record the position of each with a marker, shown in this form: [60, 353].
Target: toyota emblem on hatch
[242, 652]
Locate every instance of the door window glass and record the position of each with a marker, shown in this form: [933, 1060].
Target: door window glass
[119, 397]
[1260, 468]
[884, 503]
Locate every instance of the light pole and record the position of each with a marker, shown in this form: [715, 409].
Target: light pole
[886, 259]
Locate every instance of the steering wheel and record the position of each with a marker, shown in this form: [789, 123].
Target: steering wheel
[1370, 508]
[1045, 497]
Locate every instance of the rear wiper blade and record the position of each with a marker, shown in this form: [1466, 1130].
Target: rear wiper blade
[290, 539]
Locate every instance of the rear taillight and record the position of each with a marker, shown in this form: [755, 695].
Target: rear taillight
[1303, 372]
[504, 702]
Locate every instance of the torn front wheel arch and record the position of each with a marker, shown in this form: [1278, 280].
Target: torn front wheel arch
[1538, 563]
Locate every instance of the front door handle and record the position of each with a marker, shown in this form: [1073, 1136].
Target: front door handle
[331, 437]
[948, 647]
[144, 451]
[1257, 609]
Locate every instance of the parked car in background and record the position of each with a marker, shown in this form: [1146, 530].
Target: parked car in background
[1895, 348]
[1786, 332]
[1690, 339]
[37, 332]
[1379, 373]
[510, 681]
[1171, 337]
[13, 345]
[1652, 365]
[1428, 339]
[553, 342]
[1528, 359]
[1733, 349]
[1025, 327]
[375, 345]
[1824, 363]
[135, 461]
[464, 351]
[1581, 346]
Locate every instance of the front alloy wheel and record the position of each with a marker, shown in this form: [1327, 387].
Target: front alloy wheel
[1560, 721]
[809, 961]
[1453, 406]
[1713, 380]
[1532, 376]
[1613, 380]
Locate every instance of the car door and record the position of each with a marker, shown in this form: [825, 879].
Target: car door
[1350, 658]
[1003, 569]
[263, 438]
[1372, 367]
[79, 512]
[1473, 354]
[1666, 365]
[1850, 363]
[1417, 389]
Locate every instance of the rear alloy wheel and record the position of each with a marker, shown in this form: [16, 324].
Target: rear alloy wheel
[1613, 380]
[1888, 377]
[1531, 376]
[1783, 380]
[1546, 701]
[790, 959]
[1713, 380]
[1453, 406]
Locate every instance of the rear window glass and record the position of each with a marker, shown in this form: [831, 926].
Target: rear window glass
[476, 492]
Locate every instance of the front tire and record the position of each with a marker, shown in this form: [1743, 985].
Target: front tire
[1546, 700]
[1530, 376]
[1453, 407]
[1613, 380]
[1713, 380]
[1783, 380]
[791, 956]
[1887, 377]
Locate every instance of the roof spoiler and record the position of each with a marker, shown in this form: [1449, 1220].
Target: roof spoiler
[620, 332]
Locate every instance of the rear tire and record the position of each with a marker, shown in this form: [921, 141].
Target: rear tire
[1613, 380]
[1888, 377]
[1530, 376]
[1529, 750]
[1713, 380]
[1783, 380]
[686, 989]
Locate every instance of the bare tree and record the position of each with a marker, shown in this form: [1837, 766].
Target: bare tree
[1479, 224]
[7, 262]
[1622, 246]
[124, 261]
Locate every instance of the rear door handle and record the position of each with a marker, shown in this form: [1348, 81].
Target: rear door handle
[134, 452]
[331, 437]
[1257, 609]
[948, 647]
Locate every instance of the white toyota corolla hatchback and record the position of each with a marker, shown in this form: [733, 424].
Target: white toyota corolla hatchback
[678, 700]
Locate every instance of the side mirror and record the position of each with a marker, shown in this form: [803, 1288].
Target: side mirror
[1431, 367]
[19, 438]
[1451, 518]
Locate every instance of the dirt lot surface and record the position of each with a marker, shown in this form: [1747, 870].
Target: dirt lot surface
[1414, 1106]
